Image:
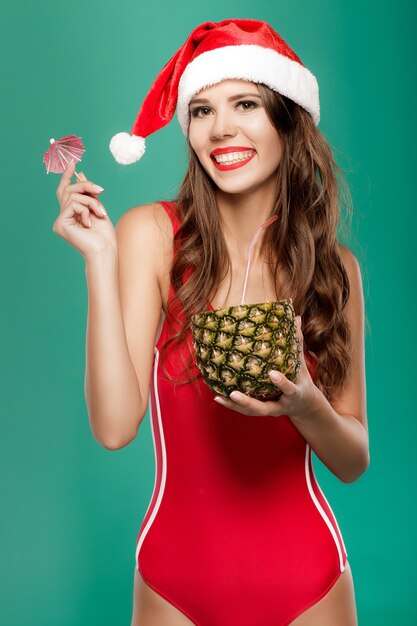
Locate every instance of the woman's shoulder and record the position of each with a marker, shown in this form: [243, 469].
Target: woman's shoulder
[355, 304]
[145, 234]
[145, 230]
[348, 259]
[155, 219]
[354, 273]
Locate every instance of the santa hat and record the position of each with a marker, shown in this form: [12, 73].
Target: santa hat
[232, 49]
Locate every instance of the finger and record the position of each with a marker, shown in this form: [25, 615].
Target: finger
[70, 167]
[93, 204]
[246, 404]
[274, 408]
[300, 336]
[287, 387]
[77, 209]
[298, 325]
[85, 186]
[250, 406]
[66, 177]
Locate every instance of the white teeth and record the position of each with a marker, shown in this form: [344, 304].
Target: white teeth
[233, 157]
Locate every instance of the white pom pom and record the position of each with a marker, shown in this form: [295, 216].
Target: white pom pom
[126, 148]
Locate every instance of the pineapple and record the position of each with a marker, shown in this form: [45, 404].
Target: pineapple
[236, 348]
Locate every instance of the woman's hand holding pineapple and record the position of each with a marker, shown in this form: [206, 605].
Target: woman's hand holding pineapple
[298, 399]
[83, 221]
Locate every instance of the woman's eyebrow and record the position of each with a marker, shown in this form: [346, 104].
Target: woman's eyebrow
[239, 95]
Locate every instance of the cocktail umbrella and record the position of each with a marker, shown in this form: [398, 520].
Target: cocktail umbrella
[60, 153]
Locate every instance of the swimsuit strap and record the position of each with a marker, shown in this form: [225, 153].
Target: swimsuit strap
[170, 208]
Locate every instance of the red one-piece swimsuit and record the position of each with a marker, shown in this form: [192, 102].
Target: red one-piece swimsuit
[237, 531]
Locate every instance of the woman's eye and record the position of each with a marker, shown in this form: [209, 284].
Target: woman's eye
[195, 112]
[247, 102]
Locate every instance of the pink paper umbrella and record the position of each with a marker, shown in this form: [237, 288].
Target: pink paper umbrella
[60, 153]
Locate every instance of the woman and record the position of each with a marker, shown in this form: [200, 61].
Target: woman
[237, 530]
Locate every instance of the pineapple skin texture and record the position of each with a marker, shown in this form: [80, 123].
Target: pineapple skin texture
[237, 347]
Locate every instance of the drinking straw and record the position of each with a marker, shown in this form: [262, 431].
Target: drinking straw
[252, 244]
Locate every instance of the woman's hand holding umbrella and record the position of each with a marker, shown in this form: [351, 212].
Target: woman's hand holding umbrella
[83, 221]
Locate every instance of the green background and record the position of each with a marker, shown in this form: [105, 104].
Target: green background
[71, 510]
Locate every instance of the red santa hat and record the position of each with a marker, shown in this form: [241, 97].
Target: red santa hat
[232, 49]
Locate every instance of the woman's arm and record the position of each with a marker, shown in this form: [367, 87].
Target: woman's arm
[338, 432]
[339, 440]
[124, 309]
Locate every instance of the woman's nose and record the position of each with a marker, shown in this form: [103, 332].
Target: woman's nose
[223, 125]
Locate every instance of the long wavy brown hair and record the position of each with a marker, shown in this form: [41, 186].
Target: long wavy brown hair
[301, 247]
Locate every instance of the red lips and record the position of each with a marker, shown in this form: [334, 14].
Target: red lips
[229, 149]
[224, 166]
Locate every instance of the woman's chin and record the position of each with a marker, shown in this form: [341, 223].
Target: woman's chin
[240, 185]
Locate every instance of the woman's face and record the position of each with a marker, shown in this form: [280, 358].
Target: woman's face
[229, 118]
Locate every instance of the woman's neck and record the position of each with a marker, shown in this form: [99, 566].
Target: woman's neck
[240, 217]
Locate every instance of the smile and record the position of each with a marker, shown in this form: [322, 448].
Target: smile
[232, 160]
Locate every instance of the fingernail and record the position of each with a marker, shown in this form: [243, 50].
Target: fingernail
[102, 209]
[275, 376]
[236, 396]
[89, 221]
[98, 188]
